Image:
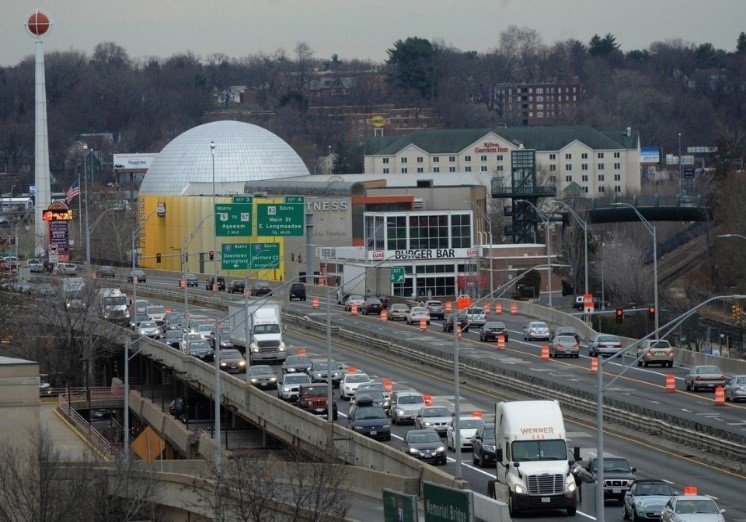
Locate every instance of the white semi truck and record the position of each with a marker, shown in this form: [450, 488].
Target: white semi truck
[533, 468]
[112, 306]
[264, 327]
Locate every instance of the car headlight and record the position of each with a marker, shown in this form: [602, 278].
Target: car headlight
[290, 370]
[520, 489]
[359, 427]
[440, 449]
[282, 346]
[639, 503]
[273, 379]
[571, 484]
[400, 412]
[106, 315]
[253, 380]
[286, 389]
[223, 364]
[489, 448]
[255, 349]
[386, 404]
[414, 450]
[242, 363]
[427, 424]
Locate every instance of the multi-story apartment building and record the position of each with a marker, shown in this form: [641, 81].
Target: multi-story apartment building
[535, 103]
[600, 162]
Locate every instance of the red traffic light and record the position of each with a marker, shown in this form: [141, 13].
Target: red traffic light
[158, 258]
[619, 315]
[651, 312]
[212, 255]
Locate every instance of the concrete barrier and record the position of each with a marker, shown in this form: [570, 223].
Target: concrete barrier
[167, 426]
[689, 358]
[490, 510]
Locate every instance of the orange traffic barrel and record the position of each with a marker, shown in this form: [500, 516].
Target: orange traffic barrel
[351, 369]
[594, 365]
[423, 324]
[353, 309]
[670, 383]
[477, 413]
[300, 351]
[458, 330]
[384, 315]
[719, 396]
[513, 308]
[428, 399]
[388, 384]
[498, 308]
[315, 302]
[486, 307]
[448, 306]
[545, 352]
[500, 342]
[690, 490]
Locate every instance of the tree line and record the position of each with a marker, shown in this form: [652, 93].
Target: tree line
[669, 87]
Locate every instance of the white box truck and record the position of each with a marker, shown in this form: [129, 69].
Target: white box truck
[112, 306]
[264, 327]
[533, 468]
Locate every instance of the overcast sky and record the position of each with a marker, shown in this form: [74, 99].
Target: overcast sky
[357, 28]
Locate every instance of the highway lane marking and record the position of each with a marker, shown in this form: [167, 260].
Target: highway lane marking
[578, 423]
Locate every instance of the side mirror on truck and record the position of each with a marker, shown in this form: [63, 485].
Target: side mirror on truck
[576, 454]
[499, 454]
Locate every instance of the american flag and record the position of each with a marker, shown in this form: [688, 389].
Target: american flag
[72, 192]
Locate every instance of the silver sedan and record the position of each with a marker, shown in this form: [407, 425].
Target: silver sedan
[735, 388]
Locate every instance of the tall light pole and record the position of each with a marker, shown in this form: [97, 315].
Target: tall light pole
[544, 218]
[584, 225]
[671, 325]
[650, 228]
[681, 165]
[214, 236]
[85, 189]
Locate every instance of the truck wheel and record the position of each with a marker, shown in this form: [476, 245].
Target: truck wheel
[482, 463]
[474, 459]
[511, 508]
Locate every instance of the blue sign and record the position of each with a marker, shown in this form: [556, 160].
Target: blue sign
[650, 155]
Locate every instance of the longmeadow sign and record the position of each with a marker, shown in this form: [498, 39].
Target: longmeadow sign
[424, 253]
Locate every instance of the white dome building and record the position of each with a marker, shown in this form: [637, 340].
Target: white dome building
[243, 152]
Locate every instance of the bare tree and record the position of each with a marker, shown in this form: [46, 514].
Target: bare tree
[622, 259]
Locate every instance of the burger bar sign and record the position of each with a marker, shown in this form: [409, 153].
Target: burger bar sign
[490, 146]
[425, 253]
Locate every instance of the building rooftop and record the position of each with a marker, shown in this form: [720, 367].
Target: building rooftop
[538, 137]
[12, 361]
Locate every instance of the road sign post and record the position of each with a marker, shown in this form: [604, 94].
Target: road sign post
[397, 274]
[282, 219]
[232, 219]
[398, 507]
[444, 504]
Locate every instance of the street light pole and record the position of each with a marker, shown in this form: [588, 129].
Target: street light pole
[214, 236]
[85, 188]
[651, 229]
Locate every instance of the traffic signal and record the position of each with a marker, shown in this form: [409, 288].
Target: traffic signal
[737, 312]
[619, 315]
[300, 259]
[292, 257]
[212, 255]
[158, 258]
[651, 313]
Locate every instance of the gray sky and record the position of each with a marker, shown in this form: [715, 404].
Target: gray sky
[357, 28]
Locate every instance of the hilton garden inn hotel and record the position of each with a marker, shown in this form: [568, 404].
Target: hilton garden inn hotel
[599, 162]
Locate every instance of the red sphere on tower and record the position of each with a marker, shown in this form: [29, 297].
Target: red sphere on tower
[38, 23]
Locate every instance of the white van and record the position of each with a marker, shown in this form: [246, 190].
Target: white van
[533, 471]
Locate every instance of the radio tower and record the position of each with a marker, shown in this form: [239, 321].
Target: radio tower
[37, 26]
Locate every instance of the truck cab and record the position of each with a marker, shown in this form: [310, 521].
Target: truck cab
[533, 471]
[113, 306]
[263, 324]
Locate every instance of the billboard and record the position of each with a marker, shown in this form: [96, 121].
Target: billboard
[139, 162]
[650, 155]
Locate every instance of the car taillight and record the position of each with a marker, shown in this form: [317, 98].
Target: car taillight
[618, 345]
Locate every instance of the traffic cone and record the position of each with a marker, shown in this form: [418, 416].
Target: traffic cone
[545, 352]
[353, 309]
[498, 308]
[500, 342]
[423, 325]
[594, 365]
[315, 302]
[300, 351]
[486, 307]
[670, 383]
[458, 330]
[351, 369]
[448, 306]
[428, 399]
[513, 308]
[384, 315]
[388, 384]
[719, 396]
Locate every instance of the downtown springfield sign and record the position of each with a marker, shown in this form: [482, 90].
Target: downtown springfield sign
[235, 236]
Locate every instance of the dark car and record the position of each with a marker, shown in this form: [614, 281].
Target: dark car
[297, 291]
[618, 476]
[223, 337]
[369, 419]
[296, 364]
[172, 337]
[211, 281]
[425, 445]
[483, 445]
[372, 305]
[462, 321]
[237, 286]
[106, 271]
[491, 330]
[232, 361]
[318, 372]
[262, 376]
[313, 398]
[260, 288]
[646, 498]
[174, 321]
[198, 349]
[191, 280]
[139, 274]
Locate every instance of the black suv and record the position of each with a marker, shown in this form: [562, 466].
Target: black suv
[260, 288]
[618, 476]
[221, 283]
[483, 445]
[237, 286]
[191, 280]
[106, 271]
[298, 291]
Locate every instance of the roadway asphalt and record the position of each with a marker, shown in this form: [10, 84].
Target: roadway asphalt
[651, 462]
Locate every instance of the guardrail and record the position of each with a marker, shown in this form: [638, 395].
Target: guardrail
[94, 436]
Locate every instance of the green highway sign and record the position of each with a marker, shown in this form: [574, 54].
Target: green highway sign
[397, 274]
[235, 256]
[295, 199]
[242, 199]
[264, 255]
[232, 219]
[280, 219]
[250, 256]
[444, 504]
[398, 507]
